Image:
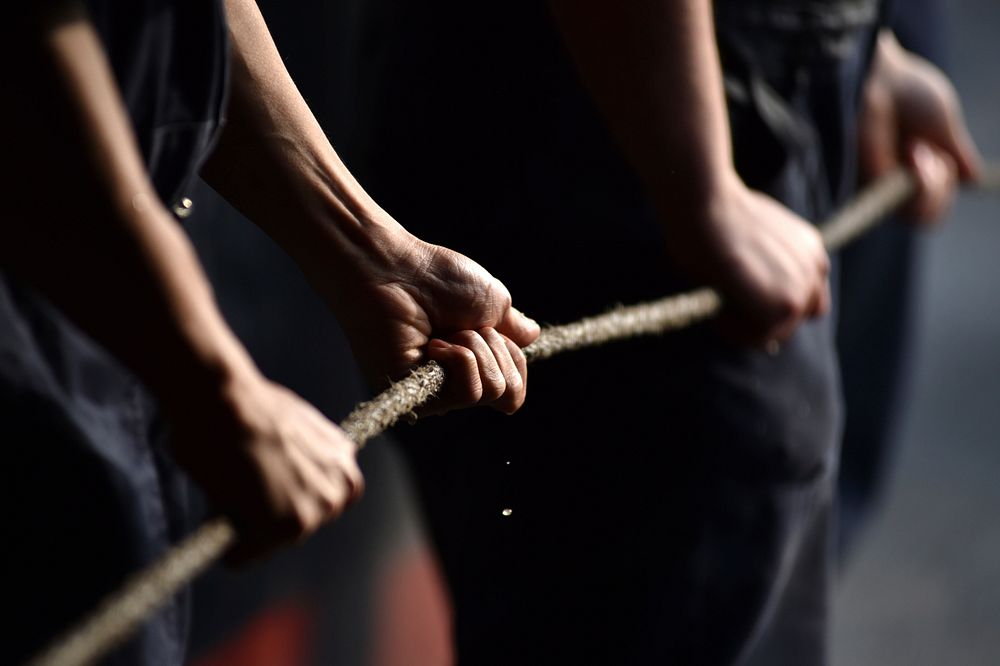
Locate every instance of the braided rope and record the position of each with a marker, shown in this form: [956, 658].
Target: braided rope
[121, 613]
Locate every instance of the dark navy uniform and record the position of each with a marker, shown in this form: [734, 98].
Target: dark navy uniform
[91, 492]
[670, 499]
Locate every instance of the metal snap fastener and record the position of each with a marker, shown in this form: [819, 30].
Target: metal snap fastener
[183, 208]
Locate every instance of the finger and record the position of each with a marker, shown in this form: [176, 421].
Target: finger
[340, 485]
[463, 387]
[823, 261]
[754, 319]
[820, 255]
[329, 440]
[347, 466]
[328, 447]
[795, 307]
[952, 136]
[819, 300]
[320, 482]
[812, 260]
[305, 518]
[819, 305]
[491, 377]
[936, 175]
[794, 295]
[330, 451]
[877, 142]
[521, 365]
[520, 328]
[513, 396]
[965, 153]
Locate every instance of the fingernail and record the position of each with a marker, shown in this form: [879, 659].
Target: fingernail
[437, 344]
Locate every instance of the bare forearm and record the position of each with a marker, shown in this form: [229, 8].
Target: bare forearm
[275, 163]
[653, 69]
[83, 223]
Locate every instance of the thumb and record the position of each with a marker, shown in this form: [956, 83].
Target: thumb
[877, 135]
[963, 150]
[936, 176]
[520, 328]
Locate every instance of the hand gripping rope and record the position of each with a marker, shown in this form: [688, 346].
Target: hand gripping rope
[124, 610]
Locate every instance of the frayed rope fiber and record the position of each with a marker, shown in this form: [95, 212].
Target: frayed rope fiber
[121, 613]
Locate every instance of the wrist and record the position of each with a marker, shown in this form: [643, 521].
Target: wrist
[332, 223]
[221, 409]
[179, 344]
[205, 379]
[695, 212]
[351, 250]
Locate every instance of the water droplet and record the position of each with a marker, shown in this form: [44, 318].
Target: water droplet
[507, 512]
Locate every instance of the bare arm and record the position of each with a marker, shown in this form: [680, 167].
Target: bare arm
[399, 299]
[653, 69]
[83, 224]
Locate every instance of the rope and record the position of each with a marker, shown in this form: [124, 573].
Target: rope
[145, 592]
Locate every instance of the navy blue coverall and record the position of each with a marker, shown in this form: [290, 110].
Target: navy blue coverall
[91, 494]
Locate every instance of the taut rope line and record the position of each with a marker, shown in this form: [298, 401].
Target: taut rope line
[122, 612]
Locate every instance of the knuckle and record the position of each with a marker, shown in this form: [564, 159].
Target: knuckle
[517, 355]
[515, 382]
[488, 334]
[296, 525]
[493, 390]
[357, 486]
[465, 338]
[467, 357]
[329, 506]
[335, 508]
